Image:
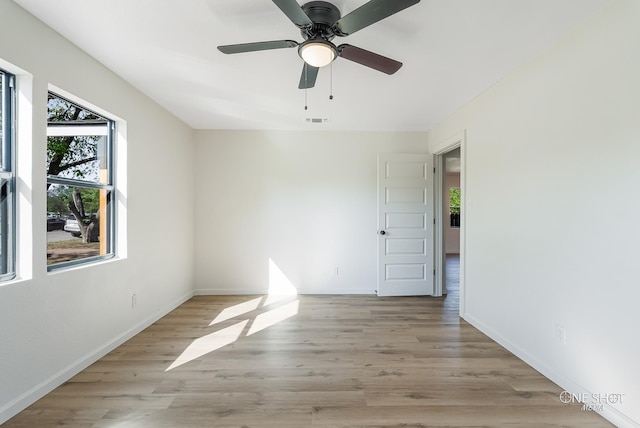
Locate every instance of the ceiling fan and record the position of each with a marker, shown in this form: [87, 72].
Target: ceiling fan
[319, 23]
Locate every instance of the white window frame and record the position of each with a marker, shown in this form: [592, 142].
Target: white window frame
[7, 178]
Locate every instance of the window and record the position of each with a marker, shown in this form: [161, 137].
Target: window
[454, 207]
[7, 177]
[80, 192]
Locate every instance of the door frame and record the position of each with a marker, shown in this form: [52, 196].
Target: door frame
[439, 150]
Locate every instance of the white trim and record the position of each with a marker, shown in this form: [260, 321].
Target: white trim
[20, 403]
[120, 156]
[263, 292]
[458, 140]
[449, 144]
[72, 131]
[82, 102]
[229, 292]
[119, 167]
[438, 238]
[24, 137]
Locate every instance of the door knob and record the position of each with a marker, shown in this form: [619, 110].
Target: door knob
[382, 232]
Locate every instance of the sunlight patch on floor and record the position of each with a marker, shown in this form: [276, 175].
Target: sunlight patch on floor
[209, 343]
[237, 310]
[274, 316]
[281, 290]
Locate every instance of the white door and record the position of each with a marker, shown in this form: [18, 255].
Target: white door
[405, 225]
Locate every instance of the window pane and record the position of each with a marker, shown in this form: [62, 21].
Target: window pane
[77, 221]
[454, 207]
[2, 110]
[77, 142]
[7, 181]
[79, 212]
[5, 233]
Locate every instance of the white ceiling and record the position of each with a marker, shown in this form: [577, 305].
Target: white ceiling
[452, 50]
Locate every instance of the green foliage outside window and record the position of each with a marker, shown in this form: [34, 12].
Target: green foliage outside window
[59, 198]
[454, 200]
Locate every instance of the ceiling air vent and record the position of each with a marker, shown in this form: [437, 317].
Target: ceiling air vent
[317, 120]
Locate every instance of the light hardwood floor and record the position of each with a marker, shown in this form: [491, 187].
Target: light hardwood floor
[308, 361]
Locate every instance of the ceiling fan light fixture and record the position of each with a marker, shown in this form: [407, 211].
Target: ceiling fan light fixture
[317, 52]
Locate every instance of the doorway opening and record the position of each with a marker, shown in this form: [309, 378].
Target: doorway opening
[449, 214]
[451, 225]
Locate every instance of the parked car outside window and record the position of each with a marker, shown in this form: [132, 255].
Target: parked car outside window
[54, 222]
[71, 226]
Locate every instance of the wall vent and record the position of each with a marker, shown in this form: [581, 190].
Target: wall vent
[317, 120]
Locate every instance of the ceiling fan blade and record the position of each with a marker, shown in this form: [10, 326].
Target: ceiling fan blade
[370, 13]
[369, 59]
[294, 12]
[308, 78]
[257, 46]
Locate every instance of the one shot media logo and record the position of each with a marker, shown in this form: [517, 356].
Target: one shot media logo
[592, 401]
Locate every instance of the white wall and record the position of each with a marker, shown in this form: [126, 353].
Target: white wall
[52, 325]
[565, 130]
[307, 201]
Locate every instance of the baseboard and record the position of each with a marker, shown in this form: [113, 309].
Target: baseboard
[253, 292]
[229, 292]
[20, 403]
[608, 412]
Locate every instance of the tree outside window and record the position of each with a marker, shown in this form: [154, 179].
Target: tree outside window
[454, 207]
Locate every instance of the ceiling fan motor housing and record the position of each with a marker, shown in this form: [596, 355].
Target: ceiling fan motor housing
[324, 15]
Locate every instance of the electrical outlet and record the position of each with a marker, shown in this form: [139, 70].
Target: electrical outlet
[561, 334]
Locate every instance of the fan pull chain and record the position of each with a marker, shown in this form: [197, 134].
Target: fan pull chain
[331, 81]
[306, 84]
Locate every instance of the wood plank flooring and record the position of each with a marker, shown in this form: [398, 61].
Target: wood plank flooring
[308, 361]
